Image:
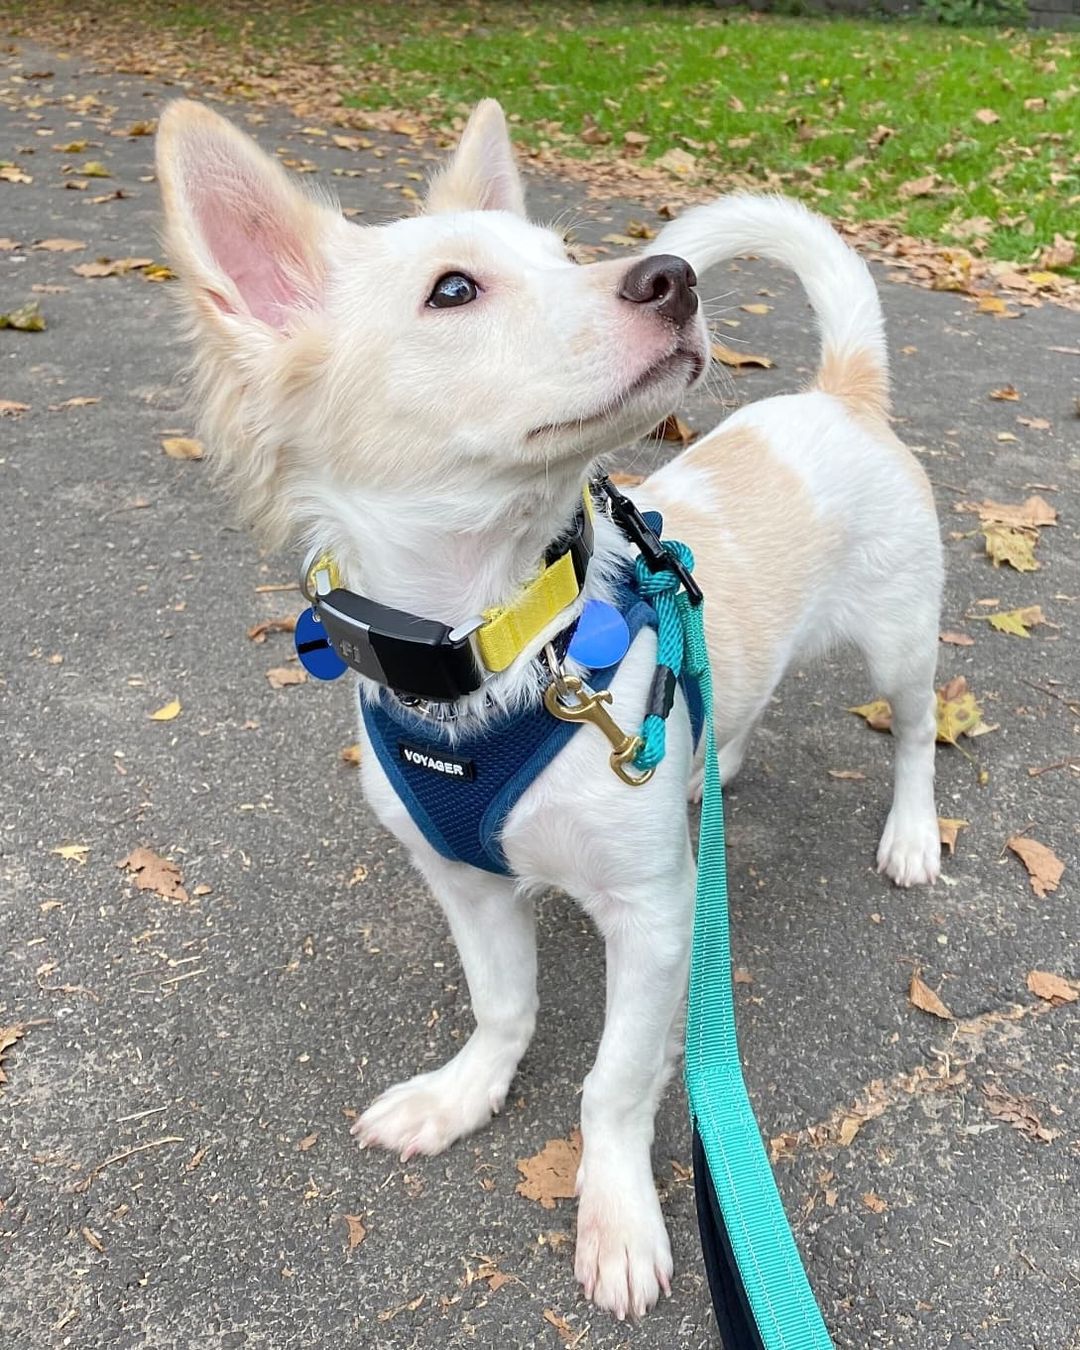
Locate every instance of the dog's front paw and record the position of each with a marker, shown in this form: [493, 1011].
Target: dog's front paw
[427, 1113]
[910, 850]
[623, 1256]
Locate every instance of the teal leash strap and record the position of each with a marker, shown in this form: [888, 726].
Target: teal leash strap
[769, 1268]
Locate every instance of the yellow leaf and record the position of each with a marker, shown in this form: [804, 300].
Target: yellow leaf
[948, 831]
[1007, 545]
[1046, 279]
[728, 356]
[166, 713]
[182, 447]
[93, 168]
[756, 309]
[27, 318]
[924, 998]
[878, 714]
[72, 852]
[991, 304]
[158, 272]
[958, 714]
[1017, 621]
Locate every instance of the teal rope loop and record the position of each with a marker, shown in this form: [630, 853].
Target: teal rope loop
[679, 640]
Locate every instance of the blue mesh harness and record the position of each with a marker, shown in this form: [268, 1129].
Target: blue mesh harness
[460, 793]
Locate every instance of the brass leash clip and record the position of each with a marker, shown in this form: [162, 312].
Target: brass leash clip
[589, 705]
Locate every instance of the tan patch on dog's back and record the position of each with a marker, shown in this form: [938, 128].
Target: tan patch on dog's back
[759, 546]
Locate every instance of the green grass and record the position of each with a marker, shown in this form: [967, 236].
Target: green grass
[787, 102]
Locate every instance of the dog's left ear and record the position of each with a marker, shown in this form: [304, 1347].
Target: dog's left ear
[482, 174]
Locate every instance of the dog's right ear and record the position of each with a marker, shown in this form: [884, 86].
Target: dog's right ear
[482, 174]
[245, 241]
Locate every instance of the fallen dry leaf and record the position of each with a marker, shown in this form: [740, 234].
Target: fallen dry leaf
[728, 356]
[351, 755]
[93, 168]
[917, 187]
[183, 447]
[673, 428]
[956, 639]
[9, 408]
[551, 1174]
[281, 677]
[1053, 988]
[111, 267]
[356, 1230]
[756, 309]
[1016, 621]
[993, 304]
[1007, 545]
[72, 852]
[1008, 393]
[8, 1037]
[286, 623]
[60, 245]
[1061, 253]
[626, 479]
[1044, 867]
[1035, 423]
[166, 712]
[27, 318]
[11, 173]
[958, 712]
[987, 117]
[78, 401]
[848, 775]
[1031, 514]
[151, 872]
[308, 1141]
[874, 1202]
[564, 1330]
[948, 829]
[877, 715]
[923, 997]
[1017, 1112]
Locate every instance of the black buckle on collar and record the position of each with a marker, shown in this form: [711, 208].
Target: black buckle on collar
[641, 534]
[423, 658]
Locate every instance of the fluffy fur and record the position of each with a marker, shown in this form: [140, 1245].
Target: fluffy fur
[437, 452]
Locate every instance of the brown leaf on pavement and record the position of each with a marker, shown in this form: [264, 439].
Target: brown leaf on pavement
[949, 829]
[1017, 1112]
[351, 755]
[60, 245]
[1008, 393]
[151, 872]
[956, 639]
[1053, 988]
[1030, 514]
[356, 1231]
[924, 998]
[8, 1037]
[281, 677]
[673, 428]
[286, 623]
[551, 1174]
[1044, 867]
[111, 267]
[728, 356]
[9, 408]
[183, 447]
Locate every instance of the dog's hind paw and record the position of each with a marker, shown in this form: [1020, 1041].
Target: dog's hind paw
[623, 1256]
[910, 850]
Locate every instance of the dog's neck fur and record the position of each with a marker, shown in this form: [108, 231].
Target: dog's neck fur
[451, 551]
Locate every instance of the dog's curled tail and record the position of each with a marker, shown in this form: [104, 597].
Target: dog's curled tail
[838, 284]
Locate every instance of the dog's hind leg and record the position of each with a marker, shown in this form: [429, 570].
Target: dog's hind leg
[493, 926]
[902, 656]
[623, 1256]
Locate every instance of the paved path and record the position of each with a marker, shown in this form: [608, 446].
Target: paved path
[231, 1037]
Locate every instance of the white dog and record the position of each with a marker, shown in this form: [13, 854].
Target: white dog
[424, 401]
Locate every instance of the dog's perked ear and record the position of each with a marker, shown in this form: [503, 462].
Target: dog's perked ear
[482, 174]
[245, 241]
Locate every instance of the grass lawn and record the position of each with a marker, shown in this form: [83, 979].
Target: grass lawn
[961, 136]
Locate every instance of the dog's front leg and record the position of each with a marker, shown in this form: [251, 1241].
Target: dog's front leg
[493, 926]
[623, 1254]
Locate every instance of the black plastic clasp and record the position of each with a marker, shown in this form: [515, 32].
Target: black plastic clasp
[637, 529]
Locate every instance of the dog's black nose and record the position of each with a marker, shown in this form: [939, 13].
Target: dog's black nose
[664, 283]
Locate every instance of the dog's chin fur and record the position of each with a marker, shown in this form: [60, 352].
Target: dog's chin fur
[436, 454]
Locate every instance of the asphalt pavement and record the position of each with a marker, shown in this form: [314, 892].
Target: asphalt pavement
[175, 1157]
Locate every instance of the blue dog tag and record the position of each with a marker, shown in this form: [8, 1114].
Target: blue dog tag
[601, 637]
[314, 650]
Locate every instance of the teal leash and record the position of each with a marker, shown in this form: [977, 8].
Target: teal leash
[760, 1290]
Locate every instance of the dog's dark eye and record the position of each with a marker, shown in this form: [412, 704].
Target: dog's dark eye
[453, 289]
